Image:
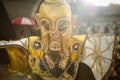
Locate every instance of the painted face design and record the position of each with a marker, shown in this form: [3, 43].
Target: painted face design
[55, 33]
[54, 21]
[55, 26]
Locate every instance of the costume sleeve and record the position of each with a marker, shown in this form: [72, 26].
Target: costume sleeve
[15, 53]
[22, 42]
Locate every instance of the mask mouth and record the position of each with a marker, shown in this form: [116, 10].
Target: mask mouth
[55, 46]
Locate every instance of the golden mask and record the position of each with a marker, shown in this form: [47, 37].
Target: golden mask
[54, 21]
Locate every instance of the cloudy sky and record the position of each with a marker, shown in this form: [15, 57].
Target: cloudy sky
[102, 2]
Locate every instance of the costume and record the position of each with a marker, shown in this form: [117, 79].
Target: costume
[55, 55]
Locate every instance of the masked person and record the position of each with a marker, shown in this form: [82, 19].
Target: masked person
[56, 55]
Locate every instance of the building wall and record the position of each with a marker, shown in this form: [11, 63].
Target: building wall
[19, 8]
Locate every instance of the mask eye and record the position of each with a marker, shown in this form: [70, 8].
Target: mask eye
[63, 25]
[46, 25]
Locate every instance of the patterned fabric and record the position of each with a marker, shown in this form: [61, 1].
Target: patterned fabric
[98, 54]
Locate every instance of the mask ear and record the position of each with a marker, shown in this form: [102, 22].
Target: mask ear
[37, 19]
[74, 21]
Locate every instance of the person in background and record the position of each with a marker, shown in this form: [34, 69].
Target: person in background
[106, 29]
[89, 30]
[22, 34]
[116, 30]
[94, 29]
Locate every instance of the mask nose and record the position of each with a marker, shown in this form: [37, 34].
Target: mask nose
[55, 41]
[54, 35]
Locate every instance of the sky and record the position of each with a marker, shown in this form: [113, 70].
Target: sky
[102, 2]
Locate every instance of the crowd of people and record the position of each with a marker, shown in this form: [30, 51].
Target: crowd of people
[99, 29]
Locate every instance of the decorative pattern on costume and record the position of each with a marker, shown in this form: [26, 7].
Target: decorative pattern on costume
[115, 72]
[76, 46]
[37, 45]
[98, 54]
[52, 60]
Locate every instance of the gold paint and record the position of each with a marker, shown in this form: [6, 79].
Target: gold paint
[106, 58]
[92, 43]
[18, 58]
[95, 60]
[66, 76]
[79, 39]
[107, 47]
[54, 14]
[88, 56]
[53, 1]
[94, 50]
[34, 52]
